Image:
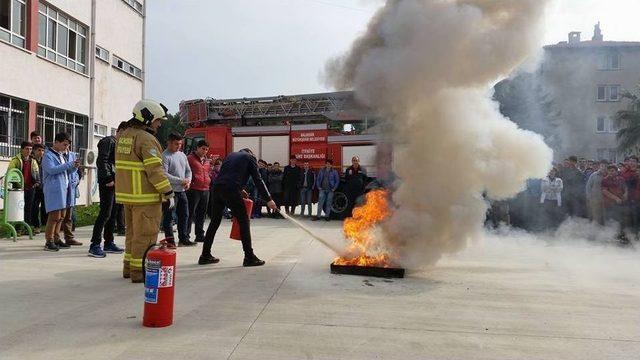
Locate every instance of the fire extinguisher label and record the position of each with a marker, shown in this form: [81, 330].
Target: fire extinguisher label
[151, 295]
[165, 277]
[152, 278]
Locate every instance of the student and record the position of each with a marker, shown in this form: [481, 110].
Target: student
[31, 174]
[177, 170]
[58, 190]
[198, 193]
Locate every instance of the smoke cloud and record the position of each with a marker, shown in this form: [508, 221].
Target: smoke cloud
[427, 66]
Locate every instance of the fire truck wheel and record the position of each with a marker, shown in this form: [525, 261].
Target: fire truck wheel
[340, 205]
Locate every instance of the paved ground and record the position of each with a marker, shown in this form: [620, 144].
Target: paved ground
[508, 297]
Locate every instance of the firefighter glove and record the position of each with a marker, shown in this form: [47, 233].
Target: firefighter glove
[168, 201]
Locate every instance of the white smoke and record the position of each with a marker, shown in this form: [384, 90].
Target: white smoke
[427, 66]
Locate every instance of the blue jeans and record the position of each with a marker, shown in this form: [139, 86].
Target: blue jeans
[182, 210]
[305, 200]
[324, 202]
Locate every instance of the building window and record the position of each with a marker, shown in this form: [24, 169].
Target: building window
[601, 124]
[51, 121]
[13, 21]
[608, 93]
[13, 125]
[99, 130]
[127, 67]
[609, 62]
[614, 126]
[102, 54]
[602, 93]
[614, 93]
[135, 5]
[62, 39]
[114, 131]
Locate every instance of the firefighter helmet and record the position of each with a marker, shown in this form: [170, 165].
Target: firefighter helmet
[146, 111]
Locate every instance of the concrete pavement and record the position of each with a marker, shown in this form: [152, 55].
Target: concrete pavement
[508, 297]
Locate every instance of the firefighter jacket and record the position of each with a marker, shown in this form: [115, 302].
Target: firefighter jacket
[140, 178]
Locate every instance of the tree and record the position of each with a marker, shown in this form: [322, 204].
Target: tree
[523, 99]
[629, 122]
[172, 124]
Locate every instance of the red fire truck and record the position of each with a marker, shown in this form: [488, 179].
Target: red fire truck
[311, 127]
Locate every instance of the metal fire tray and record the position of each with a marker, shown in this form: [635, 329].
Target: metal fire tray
[367, 271]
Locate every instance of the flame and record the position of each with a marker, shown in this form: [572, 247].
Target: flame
[359, 230]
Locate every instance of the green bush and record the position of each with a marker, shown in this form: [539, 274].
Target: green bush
[87, 215]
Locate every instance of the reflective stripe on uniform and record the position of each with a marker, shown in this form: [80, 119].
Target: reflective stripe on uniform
[136, 182]
[162, 184]
[152, 160]
[138, 198]
[127, 257]
[135, 263]
[129, 165]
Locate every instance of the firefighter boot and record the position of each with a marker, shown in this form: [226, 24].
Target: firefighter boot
[125, 270]
[137, 276]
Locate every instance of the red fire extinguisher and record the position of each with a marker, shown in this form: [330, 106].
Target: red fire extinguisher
[159, 268]
[235, 227]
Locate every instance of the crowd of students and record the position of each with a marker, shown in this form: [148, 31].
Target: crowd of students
[51, 177]
[192, 177]
[602, 191]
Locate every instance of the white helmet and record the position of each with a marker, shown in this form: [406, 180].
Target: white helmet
[147, 110]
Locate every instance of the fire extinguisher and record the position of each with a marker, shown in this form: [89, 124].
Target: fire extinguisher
[235, 227]
[159, 269]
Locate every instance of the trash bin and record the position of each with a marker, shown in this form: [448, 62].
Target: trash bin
[14, 205]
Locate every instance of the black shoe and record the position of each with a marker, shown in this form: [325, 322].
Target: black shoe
[186, 243]
[121, 233]
[252, 261]
[208, 259]
[49, 246]
[199, 240]
[327, 219]
[62, 245]
[315, 218]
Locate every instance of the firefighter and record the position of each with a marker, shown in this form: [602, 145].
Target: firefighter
[141, 185]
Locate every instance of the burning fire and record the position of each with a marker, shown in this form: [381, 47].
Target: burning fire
[359, 230]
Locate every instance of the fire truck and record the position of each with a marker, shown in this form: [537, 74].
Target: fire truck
[312, 127]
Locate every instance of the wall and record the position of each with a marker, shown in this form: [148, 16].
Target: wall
[25, 75]
[117, 92]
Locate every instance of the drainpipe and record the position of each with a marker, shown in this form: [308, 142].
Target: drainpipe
[144, 41]
[92, 94]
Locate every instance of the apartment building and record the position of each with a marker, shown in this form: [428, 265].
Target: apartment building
[585, 81]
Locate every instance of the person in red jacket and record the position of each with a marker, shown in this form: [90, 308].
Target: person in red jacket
[630, 175]
[615, 195]
[198, 193]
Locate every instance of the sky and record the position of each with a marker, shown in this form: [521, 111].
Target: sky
[246, 48]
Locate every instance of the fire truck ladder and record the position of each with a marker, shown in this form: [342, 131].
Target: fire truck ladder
[328, 105]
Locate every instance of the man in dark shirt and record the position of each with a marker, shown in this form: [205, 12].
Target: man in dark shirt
[227, 192]
[38, 213]
[105, 222]
[573, 196]
[290, 183]
[615, 195]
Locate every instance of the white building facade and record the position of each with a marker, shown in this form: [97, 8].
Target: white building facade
[69, 65]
